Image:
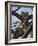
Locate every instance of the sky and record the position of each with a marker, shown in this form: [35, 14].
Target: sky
[24, 9]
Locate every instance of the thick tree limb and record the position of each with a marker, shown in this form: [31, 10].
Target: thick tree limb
[27, 31]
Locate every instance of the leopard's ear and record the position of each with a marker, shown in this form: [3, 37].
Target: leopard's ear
[12, 31]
